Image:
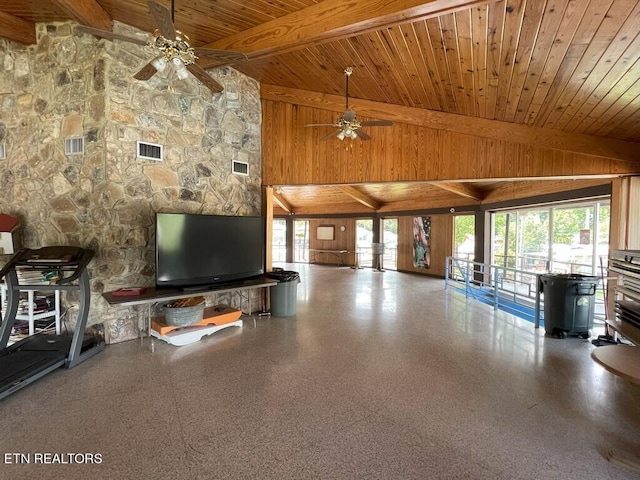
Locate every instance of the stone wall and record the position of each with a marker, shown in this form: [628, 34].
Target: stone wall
[105, 199]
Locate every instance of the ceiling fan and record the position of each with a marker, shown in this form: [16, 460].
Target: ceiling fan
[172, 47]
[348, 125]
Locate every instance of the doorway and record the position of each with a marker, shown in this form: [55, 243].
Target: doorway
[364, 239]
[464, 227]
[279, 241]
[390, 239]
[301, 241]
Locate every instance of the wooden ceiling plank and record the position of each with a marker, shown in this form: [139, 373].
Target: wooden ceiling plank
[424, 40]
[528, 135]
[628, 119]
[334, 20]
[607, 120]
[452, 56]
[605, 109]
[419, 67]
[360, 197]
[367, 46]
[86, 12]
[546, 56]
[531, 24]
[621, 75]
[17, 29]
[467, 61]
[365, 69]
[613, 65]
[575, 71]
[479, 44]
[494, 54]
[620, 116]
[403, 50]
[396, 67]
[511, 38]
[438, 46]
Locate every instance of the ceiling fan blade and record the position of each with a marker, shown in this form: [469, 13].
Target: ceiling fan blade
[363, 135]
[321, 125]
[162, 16]
[146, 72]
[222, 55]
[332, 134]
[109, 35]
[201, 74]
[377, 123]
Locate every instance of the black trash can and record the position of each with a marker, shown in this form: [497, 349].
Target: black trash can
[283, 296]
[569, 304]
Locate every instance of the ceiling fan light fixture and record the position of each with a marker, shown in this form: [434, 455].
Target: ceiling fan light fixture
[159, 63]
[353, 135]
[180, 68]
[183, 73]
[341, 135]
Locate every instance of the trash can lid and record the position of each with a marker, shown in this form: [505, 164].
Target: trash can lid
[283, 275]
[571, 276]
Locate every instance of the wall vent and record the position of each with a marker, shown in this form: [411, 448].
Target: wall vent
[3, 155]
[74, 146]
[150, 151]
[240, 168]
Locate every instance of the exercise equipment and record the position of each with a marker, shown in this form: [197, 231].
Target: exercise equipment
[32, 358]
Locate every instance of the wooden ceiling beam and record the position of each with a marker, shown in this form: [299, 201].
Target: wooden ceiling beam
[332, 20]
[282, 203]
[360, 197]
[526, 134]
[17, 29]
[462, 189]
[86, 12]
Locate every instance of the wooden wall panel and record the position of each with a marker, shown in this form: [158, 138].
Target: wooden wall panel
[294, 155]
[441, 244]
[343, 240]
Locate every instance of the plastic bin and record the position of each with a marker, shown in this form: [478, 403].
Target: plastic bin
[283, 296]
[569, 304]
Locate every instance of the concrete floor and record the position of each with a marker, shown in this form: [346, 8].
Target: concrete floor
[378, 376]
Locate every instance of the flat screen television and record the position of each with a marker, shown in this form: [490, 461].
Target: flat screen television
[195, 250]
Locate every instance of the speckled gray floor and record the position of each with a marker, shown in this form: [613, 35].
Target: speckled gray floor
[378, 376]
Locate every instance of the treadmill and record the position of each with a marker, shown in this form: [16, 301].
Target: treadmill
[32, 358]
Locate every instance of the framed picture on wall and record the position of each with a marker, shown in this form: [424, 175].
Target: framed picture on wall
[422, 242]
[325, 232]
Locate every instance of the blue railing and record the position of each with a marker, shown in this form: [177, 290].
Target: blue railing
[509, 289]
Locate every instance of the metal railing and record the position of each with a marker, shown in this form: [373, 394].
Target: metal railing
[512, 290]
[365, 255]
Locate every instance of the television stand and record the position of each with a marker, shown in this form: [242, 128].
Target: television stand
[155, 295]
[214, 319]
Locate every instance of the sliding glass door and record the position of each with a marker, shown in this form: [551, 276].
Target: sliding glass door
[560, 239]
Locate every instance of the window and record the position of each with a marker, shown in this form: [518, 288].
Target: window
[567, 238]
[390, 240]
[279, 244]
[364, 239]
[301, 238]
[464, 227]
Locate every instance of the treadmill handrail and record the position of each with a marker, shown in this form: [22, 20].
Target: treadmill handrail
[80, 259]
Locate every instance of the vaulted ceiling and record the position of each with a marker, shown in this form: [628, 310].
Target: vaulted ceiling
[571, 67]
